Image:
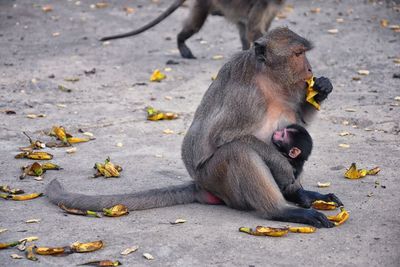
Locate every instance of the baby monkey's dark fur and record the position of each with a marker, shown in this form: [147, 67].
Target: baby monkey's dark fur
[252, 18]
[255, 93]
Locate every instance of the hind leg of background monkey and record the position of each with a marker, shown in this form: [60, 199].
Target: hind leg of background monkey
[243, 35]
[192, 25]
[238, 176]
[259, 22]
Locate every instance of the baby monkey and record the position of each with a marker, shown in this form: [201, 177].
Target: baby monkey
[295, 143]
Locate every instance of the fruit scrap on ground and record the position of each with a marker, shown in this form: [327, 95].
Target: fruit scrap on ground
[323, 205]
[157, 76]
[37, 169]
[79, 212]
[311, 93]
[8, 189]
[34, 155]
[116, 211]
[339, 218]
[265, 231]
[108, 169]
[67, 139]
[354, 173]
[156, 115]
[34, 145]
[103, 263]
[20, 197]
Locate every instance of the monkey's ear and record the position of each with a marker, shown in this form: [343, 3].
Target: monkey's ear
[294, 152]
[259, 48]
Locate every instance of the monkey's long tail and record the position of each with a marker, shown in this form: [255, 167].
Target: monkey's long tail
[154, 198]
[160, 18]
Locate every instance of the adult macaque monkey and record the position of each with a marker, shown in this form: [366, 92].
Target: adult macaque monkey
[255, 93]
[252, 18]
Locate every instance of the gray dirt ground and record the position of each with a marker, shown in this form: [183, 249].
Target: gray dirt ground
[110, 105]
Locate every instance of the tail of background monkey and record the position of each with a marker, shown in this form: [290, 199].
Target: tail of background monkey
[160, 18]
[154, 198]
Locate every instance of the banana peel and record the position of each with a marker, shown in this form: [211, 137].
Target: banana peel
[34, 155]
[157, 76]
[311, 93]
[21, 197]
[9, 190]
[60, 133]
[79, 212]
[302, 229]
[30, 254]
[323, 205]
[108, 169]
[51, 251]
[265, 231]
[9, 245]
[339, 218]
[50, 166]
[116, 211]
[75, 140]
[86, 247]
[156, 115]
[103, 263]
[354, 173]
[37, 169]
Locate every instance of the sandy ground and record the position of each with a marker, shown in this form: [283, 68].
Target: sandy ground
[35, 60]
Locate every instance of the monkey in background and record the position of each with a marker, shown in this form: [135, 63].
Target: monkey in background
[256, 92]
[252, 18]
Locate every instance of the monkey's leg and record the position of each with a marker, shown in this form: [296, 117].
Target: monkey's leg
[254, 28]
[243, 35]
[238, 176]
[192, 25]
[305, 198]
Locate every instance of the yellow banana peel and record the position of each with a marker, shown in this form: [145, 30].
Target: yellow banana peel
[339, 218]
[103, 263]
[34, 155]
[14, 191]
[75, 140]
[49, 251]
[86, 247]
[108, 169]
[323, 205]
[354, 173]
[311, 93]
[302, 229]
[79, 212]
[157, 76]
[50, 166]
[156, 115]
[60, 133]
[265, 231]
[116, 211]
[9, 245]
[21, 197]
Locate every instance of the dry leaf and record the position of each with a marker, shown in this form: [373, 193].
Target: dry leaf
[148, 256]
[384, 23]
[128, 10]
[71, 150]
[120, 144]
[34, 116]
[397, 98]
[178, 221]
[2, 230]
[345, 134]
[217, 57]
[363, 72]
[129, 250]
[88, 134]
[322, 185]
[333, 31]
[15, 256]
[33, 221]
[47, 8]
[101, 5]
[396, 60]
[350, 110]
[157, 76]
[55, 34]
[168, 131]
[315, 10]
[344, 145]
[339, 20]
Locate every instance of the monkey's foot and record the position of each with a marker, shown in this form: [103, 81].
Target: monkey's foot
[307, 216]
[185, 51]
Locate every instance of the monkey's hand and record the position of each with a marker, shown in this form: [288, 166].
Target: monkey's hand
[305, 198]
[324, 87]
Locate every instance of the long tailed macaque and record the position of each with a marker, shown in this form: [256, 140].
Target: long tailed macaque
[256, 92]
[252, 18]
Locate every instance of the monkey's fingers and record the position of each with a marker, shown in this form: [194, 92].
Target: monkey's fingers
[333, 198]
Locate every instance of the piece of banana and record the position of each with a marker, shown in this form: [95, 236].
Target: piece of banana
[323, 205]
[116, 211]
[339, 218]
[302, 229]
[86, 247]
[49, 251]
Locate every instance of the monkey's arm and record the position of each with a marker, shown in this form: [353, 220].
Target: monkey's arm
[324, 87]
[296, 194]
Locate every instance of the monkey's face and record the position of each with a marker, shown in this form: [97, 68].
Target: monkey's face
[299, 66]
[284, 141]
